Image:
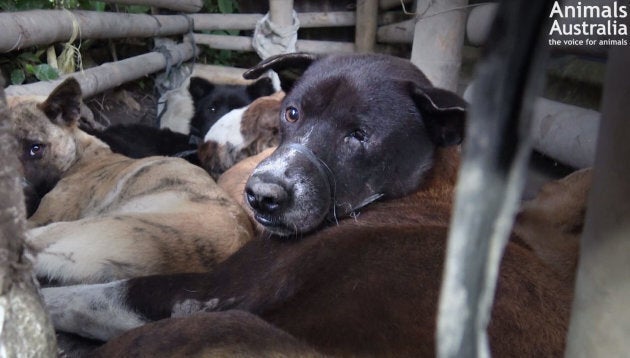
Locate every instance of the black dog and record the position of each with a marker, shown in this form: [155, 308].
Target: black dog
[358, 196]
[211, 102]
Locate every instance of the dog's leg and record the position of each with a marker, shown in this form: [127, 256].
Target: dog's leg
[85, 251]
[103, 249]
[95, 311]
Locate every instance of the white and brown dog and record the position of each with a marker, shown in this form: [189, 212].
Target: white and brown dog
[241, 133]
[109, 217]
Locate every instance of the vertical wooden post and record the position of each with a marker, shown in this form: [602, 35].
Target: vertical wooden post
[281, 12]
[492, 175]
[600, 318]
[438, 39]
[365, 30]
[25, 329]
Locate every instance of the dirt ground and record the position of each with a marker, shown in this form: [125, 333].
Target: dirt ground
[133, 102]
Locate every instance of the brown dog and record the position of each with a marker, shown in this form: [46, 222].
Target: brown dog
[110, 217]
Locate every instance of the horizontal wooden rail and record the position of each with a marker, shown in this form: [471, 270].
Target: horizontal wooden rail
[43, 27]
[221, 74]
[244, 43]
[208, 22]
[111, 74]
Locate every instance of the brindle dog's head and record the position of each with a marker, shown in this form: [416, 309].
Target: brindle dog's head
[354, 128]
[45, 133]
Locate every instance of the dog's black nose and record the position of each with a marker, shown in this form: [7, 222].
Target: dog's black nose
[265, 197]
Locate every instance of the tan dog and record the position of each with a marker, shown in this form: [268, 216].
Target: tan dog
[551, 223]
[234, 179]
[110, 217]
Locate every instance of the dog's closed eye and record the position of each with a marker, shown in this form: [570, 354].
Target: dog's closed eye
[358, 134]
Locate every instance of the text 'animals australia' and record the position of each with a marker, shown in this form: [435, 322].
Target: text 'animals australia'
[609, 13]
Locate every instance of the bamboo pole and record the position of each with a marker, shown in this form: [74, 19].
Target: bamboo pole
[600, 319]
[110, 75]
[43, 27]
[209, 22]
[26, 330]
[365, 31]
[492, 174]
[438, 39]
[281, 12]
[564, 132]
[401, 32]
[561, 131]
[244, 43]
[179, 5]
[221, 74]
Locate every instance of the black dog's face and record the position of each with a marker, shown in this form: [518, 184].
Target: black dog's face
[354, 129]
[212, 101]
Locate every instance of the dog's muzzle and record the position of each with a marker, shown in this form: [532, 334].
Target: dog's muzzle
[295, 200]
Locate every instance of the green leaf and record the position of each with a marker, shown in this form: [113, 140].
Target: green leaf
[17, 76]
[45, 72]
[138, 9]
[98, 6]
[226, 6]
[29, 68]
[29, 57]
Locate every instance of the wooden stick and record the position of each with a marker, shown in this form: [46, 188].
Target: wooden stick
[365, 32]
[208, 22]
[244, 43]
[26, 328]
[43, 27]
[110, 75]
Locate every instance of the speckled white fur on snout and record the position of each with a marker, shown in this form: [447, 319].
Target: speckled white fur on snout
[276, 165]
[228, 129]
[309, 203]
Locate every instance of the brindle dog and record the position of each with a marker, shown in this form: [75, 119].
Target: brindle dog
[110, 217]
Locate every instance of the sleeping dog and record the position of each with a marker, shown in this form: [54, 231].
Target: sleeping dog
[109, 217]
[356, 201]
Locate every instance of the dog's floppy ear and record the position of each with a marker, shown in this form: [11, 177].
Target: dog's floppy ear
[199, 88]
[63, 106]
[262, 87]
[443, 112]
[289, 67]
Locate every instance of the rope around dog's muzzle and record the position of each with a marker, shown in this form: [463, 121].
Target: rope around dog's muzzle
[318, 163]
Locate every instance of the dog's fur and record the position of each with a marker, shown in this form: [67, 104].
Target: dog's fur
[241, 133]
[346, 277]
[109, 217]
[224, 334]
[552, 222]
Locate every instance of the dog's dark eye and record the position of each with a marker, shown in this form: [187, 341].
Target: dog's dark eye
[211, 109]
[358, 135]
[291, 114]
[35, 151]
